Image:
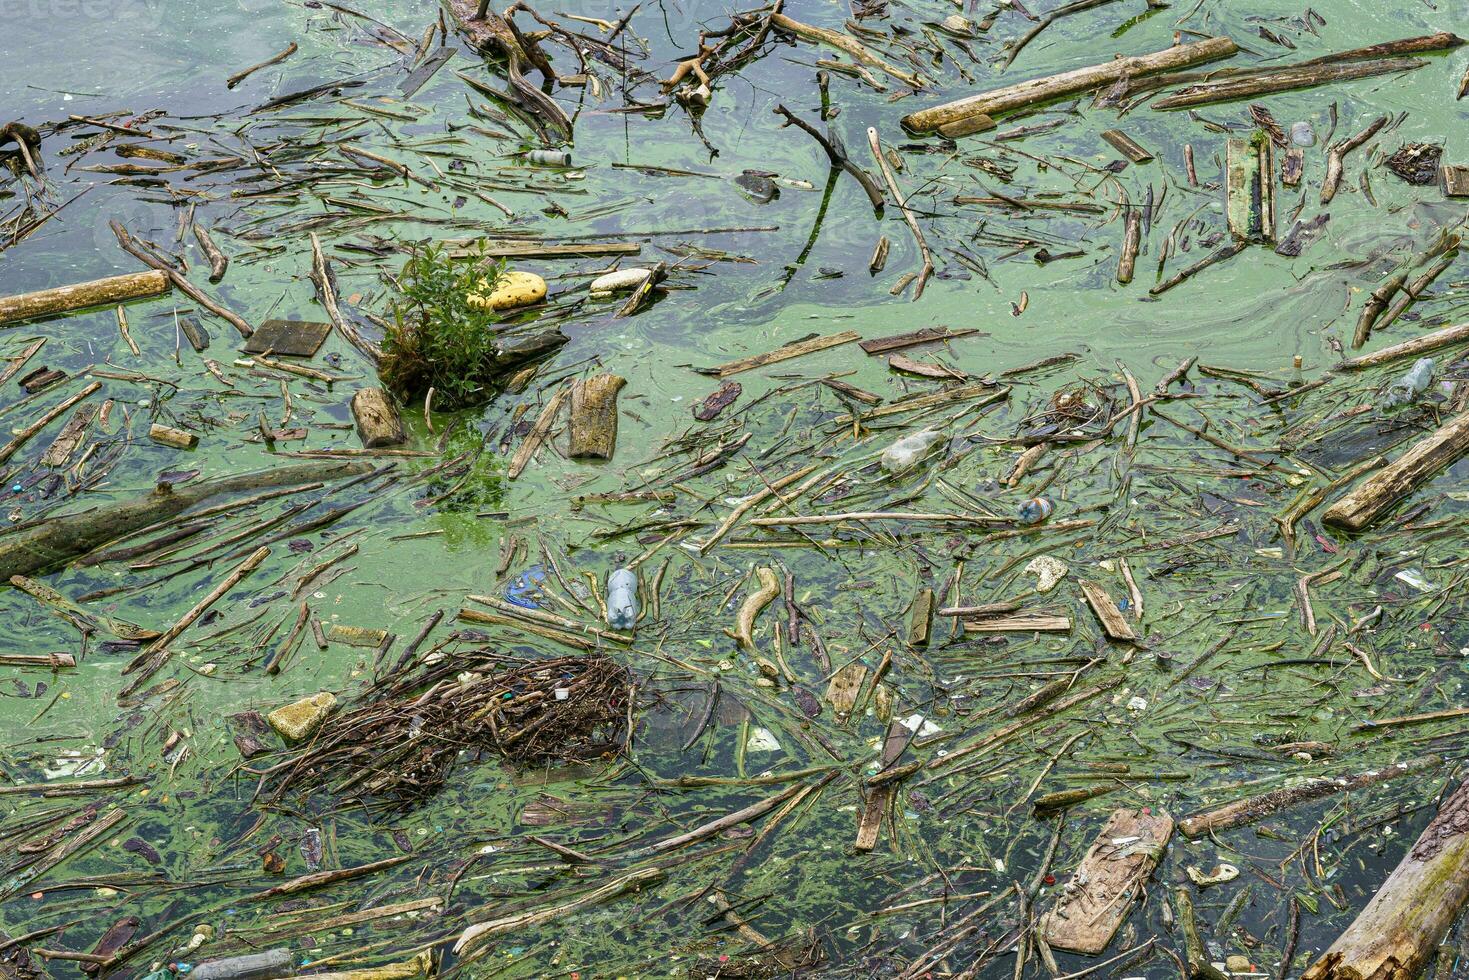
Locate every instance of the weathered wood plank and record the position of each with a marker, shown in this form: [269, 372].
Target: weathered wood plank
[1109, 879]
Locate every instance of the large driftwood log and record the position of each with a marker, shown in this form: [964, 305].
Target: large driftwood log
[60, 539]
[378, 422]
[1108, 880]
[1039, 90]
[1380, 490]
[1253, 808]
[594, 416]
[1412, 911]
[64, 299]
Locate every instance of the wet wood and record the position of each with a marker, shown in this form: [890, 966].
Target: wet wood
[81, 296]
[1108, 881]
[23, 435]
[377, 418]
[766, 590]
[928, 335]
[538, 432]
[968, 126]
[1114, 624]
[1446, 337]
[1127, 146]
[1250, 188]
[1019, 623]
[1454, 180]
[1379, 491]
[179, 280]
[842, 42]
[798, 349]
[167, 435]
[496, 34]
[1253, 808]
[288, 338]
[1336, 157]
[70, 437]
[62, 538]
[593, 429]
[1040, 90]
[1292, 166]
[1132, 238]
[879, 798]
[1411, 913]
[843, 688]
[219, 263]
[1283, 80]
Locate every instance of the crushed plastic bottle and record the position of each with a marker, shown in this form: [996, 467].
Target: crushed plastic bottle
[1406, 389]
[1301, 134]
[549, 158]
[526, 586]
[1035, 510]
[622, 599]
[910, 450]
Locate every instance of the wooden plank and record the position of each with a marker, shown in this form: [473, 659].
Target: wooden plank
[1455, 180]
[1109, 879]
[1114, 624]
[1019, 623]
[1362, 505]
[842, 691]
[288, 338]
[881, 345]
[70, 436]
[798, 349]
[1250, 188]
[880, 797]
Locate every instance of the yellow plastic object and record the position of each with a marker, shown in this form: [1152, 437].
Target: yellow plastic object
[515, 289]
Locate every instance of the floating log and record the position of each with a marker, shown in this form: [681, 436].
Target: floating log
[1127, 146]
[1107, 882]
[60, 539]
[1253, 808]
[1039, 90]
[1426, 457]
[1411, 913]
[593, 430]
[378, 421]
[98, 292]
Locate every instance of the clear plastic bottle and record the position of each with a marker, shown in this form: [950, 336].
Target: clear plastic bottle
[622, 599]
[1406, 389]
[910, 450]
[1301, 134]
[1035, 510]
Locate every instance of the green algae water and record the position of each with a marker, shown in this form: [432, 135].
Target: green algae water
[141, 831]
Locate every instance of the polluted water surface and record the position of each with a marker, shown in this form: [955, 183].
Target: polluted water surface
[674, 489]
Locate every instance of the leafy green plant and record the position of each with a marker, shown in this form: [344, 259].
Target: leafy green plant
[438, 338]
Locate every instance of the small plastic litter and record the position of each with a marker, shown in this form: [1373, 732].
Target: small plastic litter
[910, 450]
[1048, 572]
[1301, 134]
[524, 586]
[1406, 389]
[622, 599]
[549, 158]
[1036, 510]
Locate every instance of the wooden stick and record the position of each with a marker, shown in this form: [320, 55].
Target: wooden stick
[634, 880]
[1337, 154]
[887, 176]
[156, 654]
[1253, 808]
[24, 435]
[1283, 80]
[842, 42]
[80, 296]
[219, 263]
[538, 432]
[326, 291]
[179, 281]
[1036, 91]
[1426, 457]
[240, 76]
[1409, 348]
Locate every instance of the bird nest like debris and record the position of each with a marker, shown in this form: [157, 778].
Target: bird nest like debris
[1417, 163]
[402, 742]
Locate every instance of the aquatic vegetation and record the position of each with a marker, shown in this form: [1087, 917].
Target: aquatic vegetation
[440, 337]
